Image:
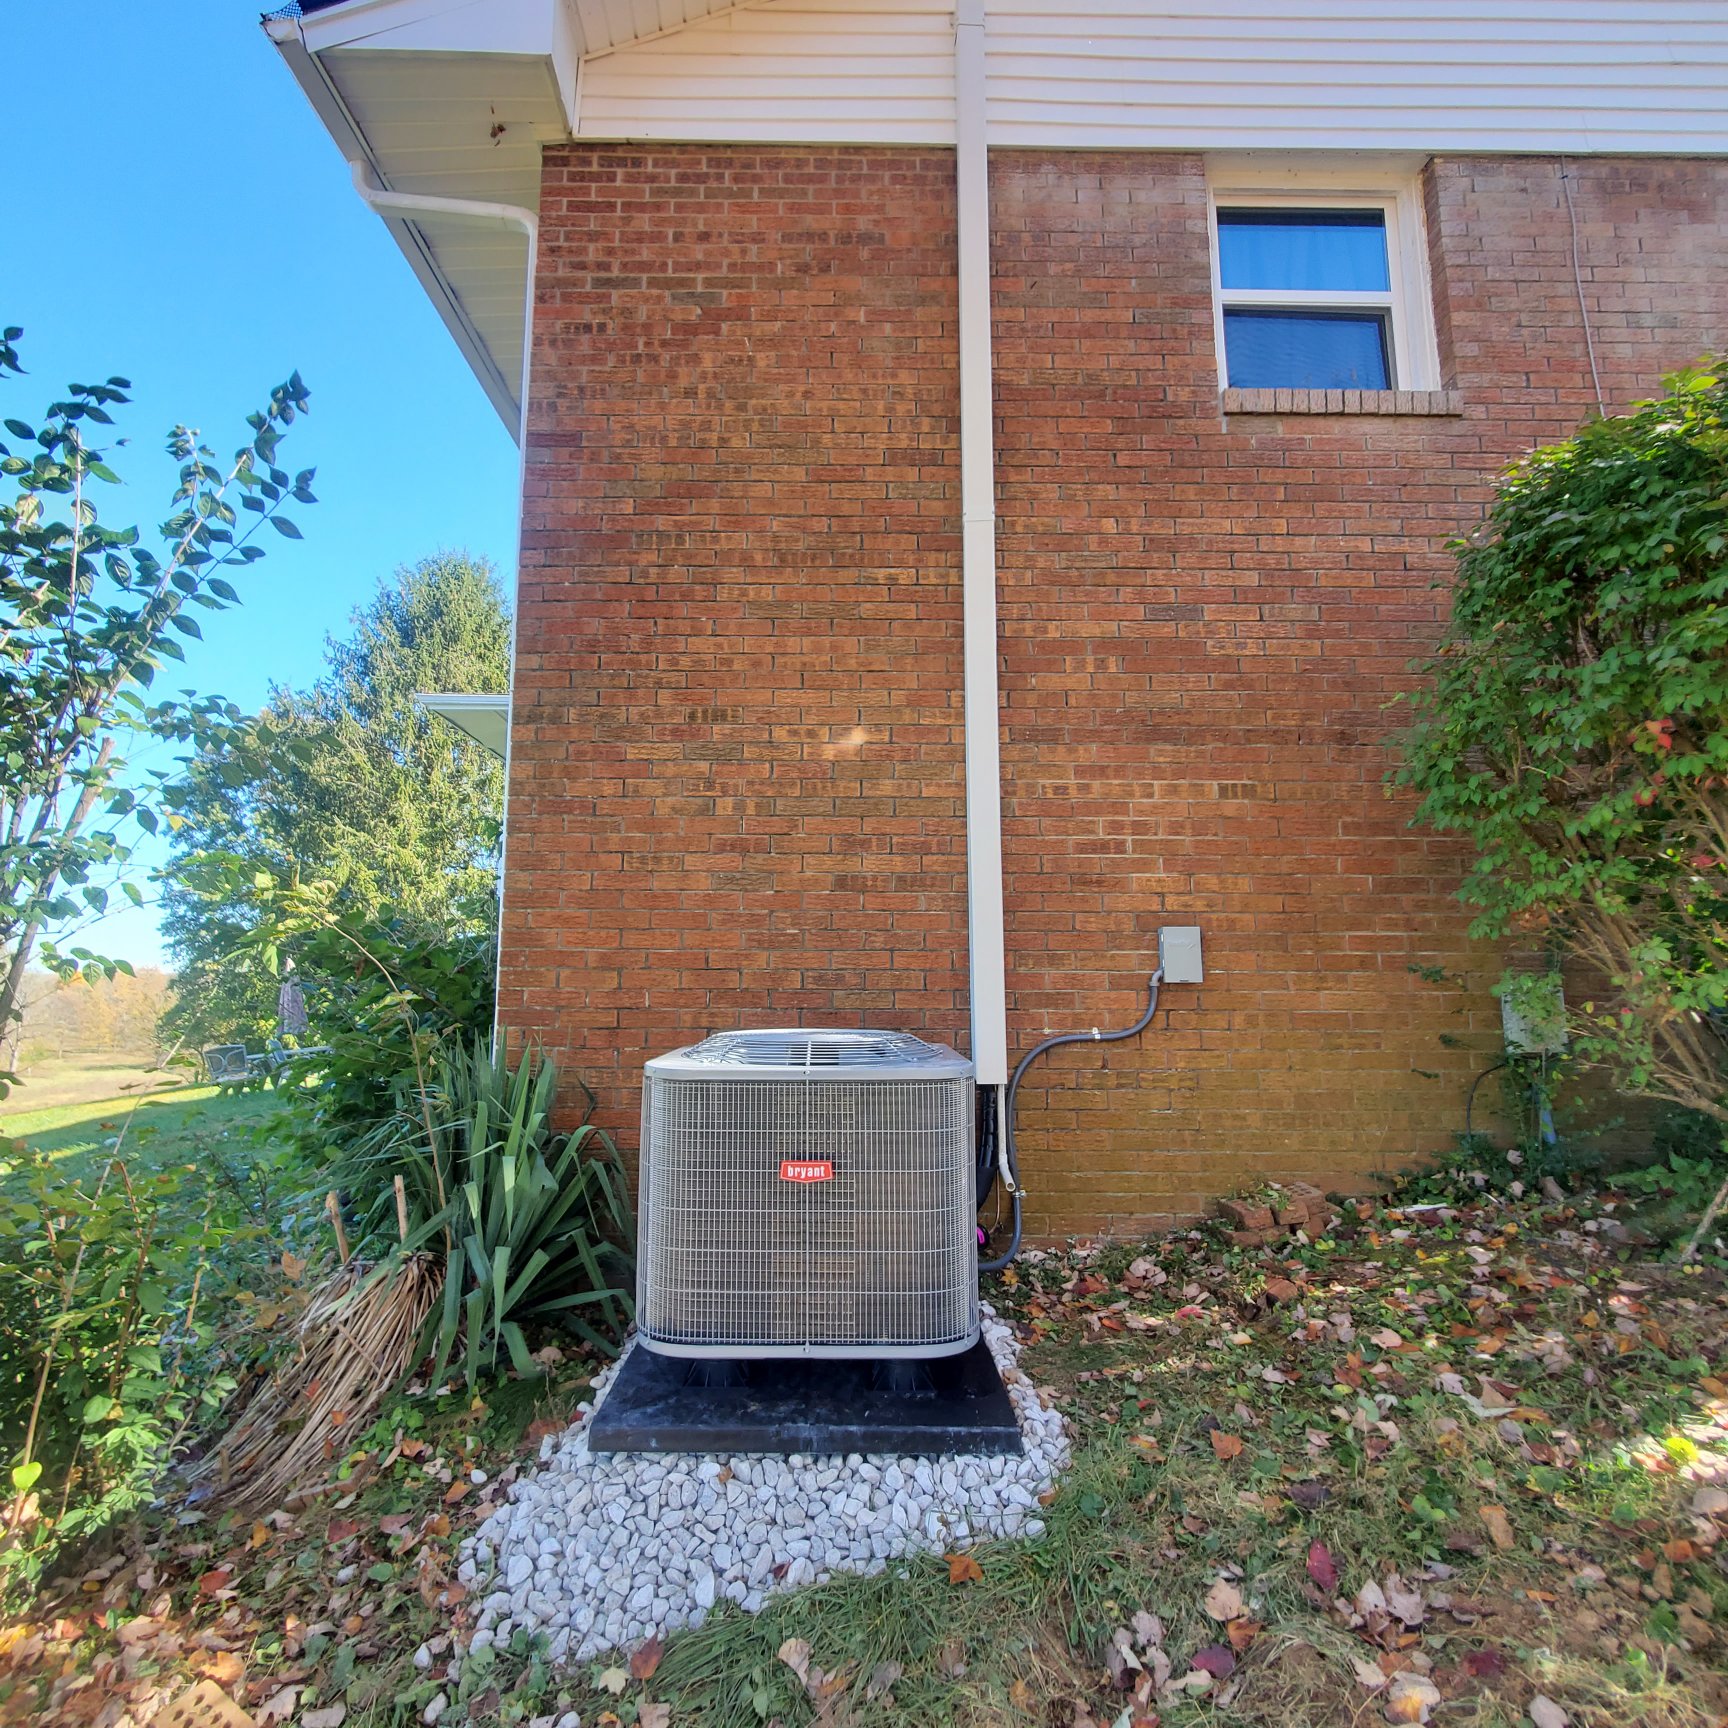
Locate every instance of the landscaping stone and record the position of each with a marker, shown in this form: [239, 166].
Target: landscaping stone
[621, 1547]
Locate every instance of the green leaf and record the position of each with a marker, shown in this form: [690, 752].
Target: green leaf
[283, 526]
[26, 1476]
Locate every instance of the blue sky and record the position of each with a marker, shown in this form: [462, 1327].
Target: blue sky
[189, 225]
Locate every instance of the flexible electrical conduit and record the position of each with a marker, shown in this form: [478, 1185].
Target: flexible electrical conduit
[1010, 1159]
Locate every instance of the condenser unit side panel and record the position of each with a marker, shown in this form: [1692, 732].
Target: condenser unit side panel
[807, 1217]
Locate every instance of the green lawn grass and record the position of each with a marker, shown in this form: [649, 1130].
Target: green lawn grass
[157, 1131]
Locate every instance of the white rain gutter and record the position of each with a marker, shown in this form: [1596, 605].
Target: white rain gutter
[984, 918]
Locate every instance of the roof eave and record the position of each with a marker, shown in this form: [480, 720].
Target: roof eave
[485, 719]
[289, 39]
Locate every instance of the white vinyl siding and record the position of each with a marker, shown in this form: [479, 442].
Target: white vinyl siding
[1484, 75]
[788, 71]
[1577, 75]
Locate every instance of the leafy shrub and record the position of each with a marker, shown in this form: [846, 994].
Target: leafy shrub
[382, 1000]
[110, 1284]
[382, 1029]
[1575, 732]
[533, 1224]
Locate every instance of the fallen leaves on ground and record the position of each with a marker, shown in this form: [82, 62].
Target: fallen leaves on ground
[1218, 1660]
[1322, 1568]
[1455, 1424]
[795, 1653]
[882, 1678]
[1499, 1528]
[1411, 1698]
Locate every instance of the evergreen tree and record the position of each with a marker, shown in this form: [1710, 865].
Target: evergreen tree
[351, 784]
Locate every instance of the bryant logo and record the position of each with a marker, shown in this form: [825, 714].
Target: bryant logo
[818, 1171]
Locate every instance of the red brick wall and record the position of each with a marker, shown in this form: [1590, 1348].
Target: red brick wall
[736, 785]
[736, 779]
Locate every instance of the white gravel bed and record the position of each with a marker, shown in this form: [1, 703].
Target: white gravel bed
[603, 1550]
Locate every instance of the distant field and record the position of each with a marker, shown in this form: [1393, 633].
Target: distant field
[86, 1079]
[157, 1127]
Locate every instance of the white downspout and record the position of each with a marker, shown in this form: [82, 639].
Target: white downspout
[474, 210]
[978, 557]
[511, 216]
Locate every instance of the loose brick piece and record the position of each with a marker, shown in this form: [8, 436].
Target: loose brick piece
[1250, 1238]
[1247, 1214]
[736, 777]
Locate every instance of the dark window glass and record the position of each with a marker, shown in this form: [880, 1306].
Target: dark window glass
[1323, 250]
[1306, 350]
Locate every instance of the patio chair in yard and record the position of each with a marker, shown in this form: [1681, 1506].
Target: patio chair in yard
[227, 1063]
[278, 1055]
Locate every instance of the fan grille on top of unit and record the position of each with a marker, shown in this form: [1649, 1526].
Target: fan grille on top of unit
[823, 1048]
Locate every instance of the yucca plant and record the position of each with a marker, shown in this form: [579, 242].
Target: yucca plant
[530, 1222]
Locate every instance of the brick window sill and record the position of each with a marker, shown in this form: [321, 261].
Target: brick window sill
[1403, 402]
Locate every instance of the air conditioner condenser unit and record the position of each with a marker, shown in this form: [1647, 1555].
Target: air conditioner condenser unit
[808, 1193]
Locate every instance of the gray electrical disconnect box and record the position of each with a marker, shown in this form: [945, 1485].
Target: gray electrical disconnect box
[1533, 1017]
[1179, 954]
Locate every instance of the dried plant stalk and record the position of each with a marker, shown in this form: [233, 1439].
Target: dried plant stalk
[361, 1333]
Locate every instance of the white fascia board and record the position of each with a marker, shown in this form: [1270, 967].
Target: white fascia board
[436, 26]
[485, 719]
[569, 46]
[327, 103]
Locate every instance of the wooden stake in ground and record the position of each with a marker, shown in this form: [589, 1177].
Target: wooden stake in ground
[334, 1209]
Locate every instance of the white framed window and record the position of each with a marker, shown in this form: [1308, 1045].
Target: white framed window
[1320, 282]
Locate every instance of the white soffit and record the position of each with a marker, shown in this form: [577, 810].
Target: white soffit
[461, 126]
[485, 719]
[455, 98]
